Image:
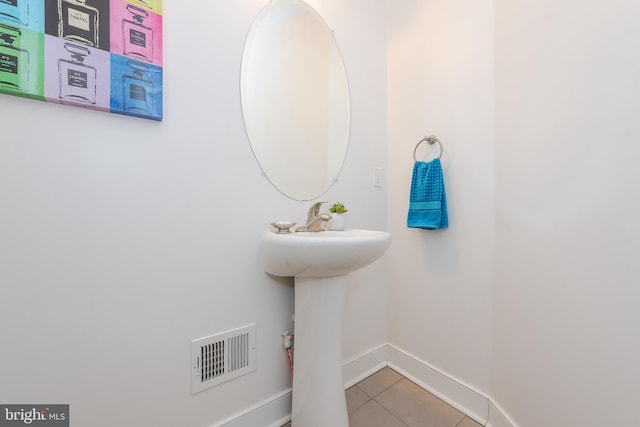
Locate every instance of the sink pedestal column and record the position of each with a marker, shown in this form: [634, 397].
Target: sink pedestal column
[318, 388]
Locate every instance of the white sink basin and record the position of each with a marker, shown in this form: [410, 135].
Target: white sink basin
[322, 254]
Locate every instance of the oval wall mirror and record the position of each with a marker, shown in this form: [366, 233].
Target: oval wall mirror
[295, 99]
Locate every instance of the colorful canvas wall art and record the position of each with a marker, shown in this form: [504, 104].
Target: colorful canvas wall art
[104, 55]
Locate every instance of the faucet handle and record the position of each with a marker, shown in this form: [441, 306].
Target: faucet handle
[315, 208]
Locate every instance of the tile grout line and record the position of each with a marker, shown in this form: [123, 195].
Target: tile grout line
[460, 422]
[365, 402]
[442, 402]
[391, 385]
[389, 412]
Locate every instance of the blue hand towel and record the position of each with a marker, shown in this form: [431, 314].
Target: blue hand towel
[427, 201]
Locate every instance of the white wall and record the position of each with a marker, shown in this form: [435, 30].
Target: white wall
[566, 346]
[123, 239]
[546, 329]
[441, 82]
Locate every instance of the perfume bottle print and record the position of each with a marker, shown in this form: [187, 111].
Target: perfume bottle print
[137, 39]
[78, 22]
[137, 89]
[77, 81]
[14, 61]
[15, 11]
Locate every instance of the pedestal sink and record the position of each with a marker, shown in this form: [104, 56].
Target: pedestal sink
[319, 263]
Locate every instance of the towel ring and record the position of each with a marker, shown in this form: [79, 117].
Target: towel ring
[431, 139]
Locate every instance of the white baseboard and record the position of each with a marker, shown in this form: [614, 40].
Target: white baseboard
[367, 363]
[276, 411]
[456, 393]
[272, 412]
[498, 417]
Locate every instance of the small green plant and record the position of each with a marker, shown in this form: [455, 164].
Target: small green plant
[337, 208]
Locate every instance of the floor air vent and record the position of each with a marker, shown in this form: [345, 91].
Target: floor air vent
[222, 357]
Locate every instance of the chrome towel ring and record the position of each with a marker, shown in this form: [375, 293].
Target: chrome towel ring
[431, 139]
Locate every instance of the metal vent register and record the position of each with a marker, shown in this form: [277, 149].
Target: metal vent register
[222, 357]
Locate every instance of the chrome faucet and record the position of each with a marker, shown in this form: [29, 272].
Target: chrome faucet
[315, 218]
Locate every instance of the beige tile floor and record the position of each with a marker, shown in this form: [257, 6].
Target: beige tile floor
[387, 399]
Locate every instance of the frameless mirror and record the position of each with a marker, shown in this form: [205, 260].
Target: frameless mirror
[295, 99]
